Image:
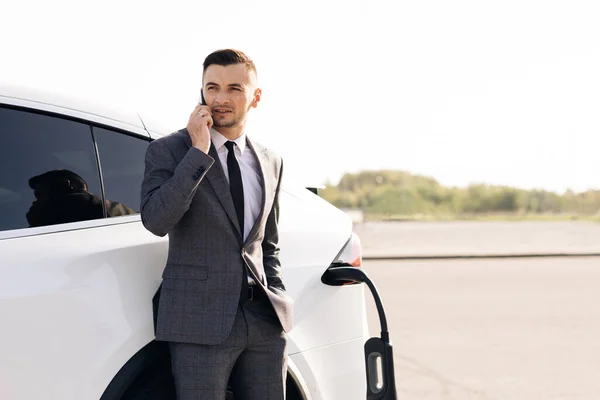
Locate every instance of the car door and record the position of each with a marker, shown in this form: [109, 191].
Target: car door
[77, 267]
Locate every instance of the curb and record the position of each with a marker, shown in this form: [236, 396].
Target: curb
[476, 256]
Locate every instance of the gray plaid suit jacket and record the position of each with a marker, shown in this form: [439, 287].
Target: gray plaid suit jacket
[185, 194]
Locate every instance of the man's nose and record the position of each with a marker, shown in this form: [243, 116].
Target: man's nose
[222, 97]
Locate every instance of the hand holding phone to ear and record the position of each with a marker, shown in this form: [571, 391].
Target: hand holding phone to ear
[199, 126]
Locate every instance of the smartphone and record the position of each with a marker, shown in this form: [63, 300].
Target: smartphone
[202, 101]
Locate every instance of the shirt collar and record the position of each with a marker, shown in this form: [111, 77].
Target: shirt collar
[219, 140]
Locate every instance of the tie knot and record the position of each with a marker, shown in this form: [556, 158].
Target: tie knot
[229, 144]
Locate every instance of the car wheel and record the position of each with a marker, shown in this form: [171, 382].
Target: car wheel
[153, 384]
[156, 384]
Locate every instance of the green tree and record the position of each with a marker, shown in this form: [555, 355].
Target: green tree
[402, 193]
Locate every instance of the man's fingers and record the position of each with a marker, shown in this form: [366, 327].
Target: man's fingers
[199, 108]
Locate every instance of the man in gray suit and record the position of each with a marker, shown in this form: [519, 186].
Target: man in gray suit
[223, 307]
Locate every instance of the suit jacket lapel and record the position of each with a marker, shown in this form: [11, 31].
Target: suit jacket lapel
[216, 177]
[262, 158]
[218, 181]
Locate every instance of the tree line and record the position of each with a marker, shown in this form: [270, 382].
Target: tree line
[400, 193]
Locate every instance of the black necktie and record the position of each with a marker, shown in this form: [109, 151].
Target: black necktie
[237, 193]
[235, 184]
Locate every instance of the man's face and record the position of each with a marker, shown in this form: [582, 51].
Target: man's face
[230, 92]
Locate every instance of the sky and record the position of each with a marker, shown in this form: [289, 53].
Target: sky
[463, 91]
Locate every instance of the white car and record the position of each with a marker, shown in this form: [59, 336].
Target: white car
[78, 270]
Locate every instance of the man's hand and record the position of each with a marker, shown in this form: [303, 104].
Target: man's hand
[198, 126]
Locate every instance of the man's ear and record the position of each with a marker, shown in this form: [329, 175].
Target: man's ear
[256, 100]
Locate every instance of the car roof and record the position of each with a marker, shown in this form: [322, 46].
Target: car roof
[72, 103]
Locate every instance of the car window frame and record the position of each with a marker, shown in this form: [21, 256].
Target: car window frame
[92, 120]
[99, 158]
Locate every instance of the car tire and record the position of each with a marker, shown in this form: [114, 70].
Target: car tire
[153, 384]
[158, 384]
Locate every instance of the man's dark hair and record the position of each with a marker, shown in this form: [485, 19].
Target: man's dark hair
[227, 57]
[55, 177]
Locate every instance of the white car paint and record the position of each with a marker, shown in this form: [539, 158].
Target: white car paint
[75, 299]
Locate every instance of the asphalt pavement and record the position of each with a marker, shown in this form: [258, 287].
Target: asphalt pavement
[510, 329]
[435, 239]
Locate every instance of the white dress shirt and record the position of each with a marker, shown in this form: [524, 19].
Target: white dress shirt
[250, 175]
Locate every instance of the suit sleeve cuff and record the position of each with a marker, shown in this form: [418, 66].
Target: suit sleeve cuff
[192, 168]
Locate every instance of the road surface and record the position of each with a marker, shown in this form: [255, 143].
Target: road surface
[518, 329]
[476, 238]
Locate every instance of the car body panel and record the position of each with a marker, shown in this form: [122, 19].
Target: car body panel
[331, 372]
[81, 297]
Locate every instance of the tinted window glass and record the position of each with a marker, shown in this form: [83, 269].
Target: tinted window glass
[122, 164]
[48, 171]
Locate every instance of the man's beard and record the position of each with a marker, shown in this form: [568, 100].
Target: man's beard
[229, 123]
